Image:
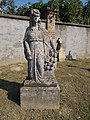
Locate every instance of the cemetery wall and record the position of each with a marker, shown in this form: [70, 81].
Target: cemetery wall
[75, 38]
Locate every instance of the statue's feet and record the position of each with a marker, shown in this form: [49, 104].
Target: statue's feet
[47, 82]
[44, 82]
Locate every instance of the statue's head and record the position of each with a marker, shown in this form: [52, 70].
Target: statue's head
[35, 15]
[35, 12]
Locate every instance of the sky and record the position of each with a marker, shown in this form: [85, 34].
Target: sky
[22, 2]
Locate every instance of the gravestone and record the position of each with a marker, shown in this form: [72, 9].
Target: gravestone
[60, 50]
[40, 89]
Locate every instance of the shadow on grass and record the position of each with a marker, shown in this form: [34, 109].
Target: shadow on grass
[88, 69]
[13, 90]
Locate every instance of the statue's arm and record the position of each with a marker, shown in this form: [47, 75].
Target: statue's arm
[27, 50]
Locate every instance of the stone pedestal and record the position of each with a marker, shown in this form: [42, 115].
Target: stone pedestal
[40, 97]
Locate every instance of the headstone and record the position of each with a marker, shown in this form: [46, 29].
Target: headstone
[40, 89]
[62, 55]
[69, 56]
[60, 50]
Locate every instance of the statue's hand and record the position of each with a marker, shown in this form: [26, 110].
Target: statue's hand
[28, 56]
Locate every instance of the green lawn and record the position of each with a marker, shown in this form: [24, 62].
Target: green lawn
[74, 80]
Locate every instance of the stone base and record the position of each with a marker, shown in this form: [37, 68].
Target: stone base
[32, 83]
[40, 97]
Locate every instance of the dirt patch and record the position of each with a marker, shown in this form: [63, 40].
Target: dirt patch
[0, 71]
[74, 97]
[16, 68]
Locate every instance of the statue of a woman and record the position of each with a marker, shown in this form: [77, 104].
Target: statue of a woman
[38, 48]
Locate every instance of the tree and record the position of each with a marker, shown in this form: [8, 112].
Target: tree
[69, 10]
[76, 10]
[40, 1]
[10, 7]
[2, 6]
[54, 5]
[7, 6]
[86, 13]
[23, 10]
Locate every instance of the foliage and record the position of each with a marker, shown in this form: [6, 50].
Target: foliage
[54, 5]
[86, 13]
[11, 7]
[36, 5]
[7, 6]
[2, 5]
[40, 1]
[23, 10]
[67, 10]
[71, 11]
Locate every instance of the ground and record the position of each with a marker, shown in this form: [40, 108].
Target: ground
[74, 80]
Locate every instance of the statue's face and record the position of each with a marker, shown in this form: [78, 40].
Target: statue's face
[36, 19]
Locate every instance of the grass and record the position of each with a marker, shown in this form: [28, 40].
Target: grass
[74, 80]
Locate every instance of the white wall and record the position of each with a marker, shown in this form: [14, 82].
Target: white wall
[76, 38]
[11, 37]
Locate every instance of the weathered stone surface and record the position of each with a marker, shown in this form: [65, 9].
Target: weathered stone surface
[51, 23]
[62, 54]
[40, 97]
[39, 49]
[49, 81]
[32, 83]
[41, 90]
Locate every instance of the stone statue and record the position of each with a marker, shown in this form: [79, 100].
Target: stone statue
[38, 49]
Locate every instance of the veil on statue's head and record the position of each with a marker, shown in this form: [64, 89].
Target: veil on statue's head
[35, 12]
